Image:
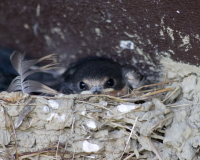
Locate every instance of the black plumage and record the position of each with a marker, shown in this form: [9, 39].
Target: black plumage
[97, 74]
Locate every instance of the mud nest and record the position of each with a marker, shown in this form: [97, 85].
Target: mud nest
[150, 123]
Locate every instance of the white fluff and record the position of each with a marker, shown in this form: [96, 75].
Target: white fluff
[51, 116]
[53, 104]
[60, 118]
[124, 108]
[105, 103]
[126, 44]
[60, 95]
[89, 147]
[83, 113]
[45, 109]
[91, 124]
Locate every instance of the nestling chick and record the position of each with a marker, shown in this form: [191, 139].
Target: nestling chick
[97, 75]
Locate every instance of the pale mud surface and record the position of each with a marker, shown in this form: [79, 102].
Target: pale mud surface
[165, 127]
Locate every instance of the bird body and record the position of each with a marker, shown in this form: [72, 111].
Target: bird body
[97, 75]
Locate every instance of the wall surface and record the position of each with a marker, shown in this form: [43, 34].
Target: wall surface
[129, 31]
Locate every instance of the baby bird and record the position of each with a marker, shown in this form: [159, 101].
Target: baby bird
[100, 75]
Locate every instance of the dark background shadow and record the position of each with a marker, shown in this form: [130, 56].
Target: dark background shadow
[134, 32]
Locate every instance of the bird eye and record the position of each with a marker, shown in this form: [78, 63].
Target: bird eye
[110, 82]
[82, 85]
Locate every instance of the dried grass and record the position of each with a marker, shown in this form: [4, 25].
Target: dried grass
[122, 123]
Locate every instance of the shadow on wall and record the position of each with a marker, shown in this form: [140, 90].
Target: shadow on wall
[131, 32]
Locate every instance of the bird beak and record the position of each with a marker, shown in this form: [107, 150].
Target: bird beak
[103, 91]
[96, 89]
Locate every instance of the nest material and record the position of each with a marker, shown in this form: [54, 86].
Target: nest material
[144, 125]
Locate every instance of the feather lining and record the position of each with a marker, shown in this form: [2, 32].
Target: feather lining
[23, 68]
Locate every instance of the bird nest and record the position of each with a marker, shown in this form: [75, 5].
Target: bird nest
[146, 124]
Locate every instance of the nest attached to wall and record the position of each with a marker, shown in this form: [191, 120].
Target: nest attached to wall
[137, 125]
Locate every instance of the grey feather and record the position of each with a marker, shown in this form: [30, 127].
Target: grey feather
[16, 59]
[34, 86]
[132, 77]
[23, 68]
